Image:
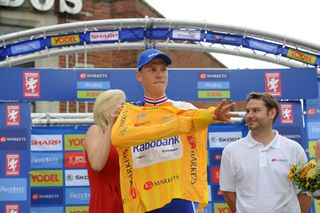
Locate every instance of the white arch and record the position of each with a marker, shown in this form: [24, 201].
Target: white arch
[154, 23]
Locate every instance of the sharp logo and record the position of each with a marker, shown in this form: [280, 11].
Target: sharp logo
[46, 142]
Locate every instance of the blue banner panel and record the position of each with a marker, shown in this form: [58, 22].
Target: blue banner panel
[282, 83]
[217, 195]
[46, 196]
[46, 210]
[194, 84]
[13, 189]
[13, 139]
[313, 130]
[46, 160]
[76, 196]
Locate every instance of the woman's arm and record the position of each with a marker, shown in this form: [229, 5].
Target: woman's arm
[97, 145]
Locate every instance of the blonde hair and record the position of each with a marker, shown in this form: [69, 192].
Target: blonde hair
[104, 103]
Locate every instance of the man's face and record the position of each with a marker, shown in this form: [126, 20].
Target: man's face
[258, 116]
[154, 78]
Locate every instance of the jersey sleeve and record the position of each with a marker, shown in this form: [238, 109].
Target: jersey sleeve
[126, 134]
[201, 118]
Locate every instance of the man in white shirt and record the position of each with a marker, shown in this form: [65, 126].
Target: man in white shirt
[254, 170]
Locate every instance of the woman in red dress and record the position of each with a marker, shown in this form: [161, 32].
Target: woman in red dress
[102, 158]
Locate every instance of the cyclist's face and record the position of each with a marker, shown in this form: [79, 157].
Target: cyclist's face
[154, 78]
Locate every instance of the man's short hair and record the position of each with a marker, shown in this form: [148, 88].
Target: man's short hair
[269, 101]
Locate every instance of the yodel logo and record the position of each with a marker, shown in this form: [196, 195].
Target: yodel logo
[158, 143]
[74, 142]
[46, 178]
[63, 40]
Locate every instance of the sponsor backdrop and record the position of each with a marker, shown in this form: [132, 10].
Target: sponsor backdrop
[14, 157]
[59, 179]
[198, 84]
[313, 131]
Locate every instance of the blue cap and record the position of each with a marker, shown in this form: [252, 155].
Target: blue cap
[148, 55]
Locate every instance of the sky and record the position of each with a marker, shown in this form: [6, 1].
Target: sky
[291, 18]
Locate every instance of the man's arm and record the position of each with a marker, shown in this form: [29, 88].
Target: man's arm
[305, 202]
[230, 198]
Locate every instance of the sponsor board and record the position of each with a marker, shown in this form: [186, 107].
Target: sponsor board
[31, 84]
[292, 132]
[13, 139]
[215, 155]
[302, 56]
[94, 85]
[73, 142]
[221, 208]
[12, 164]
[316, 204]
[46, 196]
[263, 46]
[12, 208]
[76, 177]
[286, 113]
[157, 151]
[77, 209]
[65, 40]
[104, 36]
[222, 139]
[77, 196]
[93, 75]
[217, 194]
[29, 46]
[187, 34]
[215, 174]
[273, 83]
[88, 94]
[213, 76]
[75, 160]
[313, 129]
[213, 94]
[46, 142]
[13, 189]
[12, 115]
[213, 85]
[48, 160]
[46, 178]
[311, 149]
[46, 209]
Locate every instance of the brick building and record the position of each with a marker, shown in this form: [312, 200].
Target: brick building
[26, 17]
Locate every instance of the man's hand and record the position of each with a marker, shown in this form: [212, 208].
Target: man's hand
[222, 112]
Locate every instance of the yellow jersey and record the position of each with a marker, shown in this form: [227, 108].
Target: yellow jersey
[162, 154]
